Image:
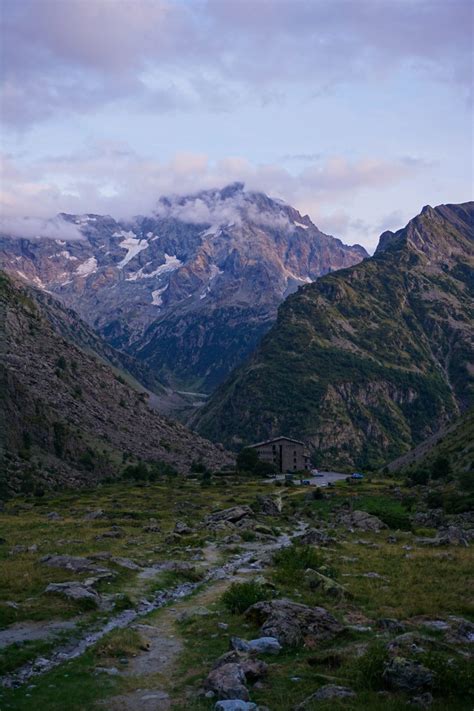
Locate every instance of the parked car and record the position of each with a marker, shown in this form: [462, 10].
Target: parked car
[316, 472]
[357, 475]
[305, 482]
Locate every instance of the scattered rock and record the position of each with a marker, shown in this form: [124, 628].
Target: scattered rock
[363, 521]
[319, 581]
[232, 515]
[110, 671]
[254, 669]
[267, 506]
[125, 563]
[94, 515]
[407, 675]
[194, 612]
[424, 701]
[75, 564]
[325, 693]
[262, 645]
[182, 529]
[115, 532]
[387, 624]
[235, 705]
[53, 516]
[292, 623]
[228, 682]
[316, 536]
[74, 591]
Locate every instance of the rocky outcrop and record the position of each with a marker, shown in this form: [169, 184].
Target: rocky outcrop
[367, 362]
[293, 624]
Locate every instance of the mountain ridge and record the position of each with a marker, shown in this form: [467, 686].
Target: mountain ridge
[368, 361]
[190, 289]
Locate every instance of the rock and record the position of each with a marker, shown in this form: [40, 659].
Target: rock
[152, 527]
[292, 623]
[235, 705]
[325, 693]
[111, 671]
[363, 521]
[125, 563]
[319, 581]
[74, 591]
[262, 645]
[422, 700]
[254, 669]
[75, 564]
[223, 625]
[115, 532]
[232, 515]
[315, 536]
[402, 674]
[53, 516]
[228, 682]
[93, 515]
[462, 631]
[388, 624]
[182, 529]
[267, 506]
[265, 530]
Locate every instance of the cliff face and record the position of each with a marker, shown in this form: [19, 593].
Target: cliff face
[69, 416]
[189, 290]
[369, 361]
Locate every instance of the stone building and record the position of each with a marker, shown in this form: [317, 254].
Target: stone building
[288, 455]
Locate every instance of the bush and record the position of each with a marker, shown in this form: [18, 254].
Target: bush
[441, 468]
[240, 596]
[290, 563]
[370, 667]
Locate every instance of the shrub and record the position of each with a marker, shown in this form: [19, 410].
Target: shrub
[290, 563]
[370, 667]
[240, 596]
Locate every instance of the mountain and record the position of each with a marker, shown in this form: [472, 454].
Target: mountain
[369, 361]
[454, 443]
[189, 290]
[68, 416]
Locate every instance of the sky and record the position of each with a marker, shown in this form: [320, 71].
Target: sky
[356, 112]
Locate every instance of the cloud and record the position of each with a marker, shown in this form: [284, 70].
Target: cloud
[163, 55]
[37, 228]
[110, 178]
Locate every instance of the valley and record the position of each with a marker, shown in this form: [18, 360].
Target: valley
[176, 579]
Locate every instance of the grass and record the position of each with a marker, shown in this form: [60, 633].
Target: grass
[241, 596]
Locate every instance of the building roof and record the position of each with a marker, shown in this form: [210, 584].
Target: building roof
[277, 439]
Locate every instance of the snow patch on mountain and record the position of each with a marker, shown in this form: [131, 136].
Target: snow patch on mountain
[156, 299]
[87, 267]
[171, 264]
[133, 246]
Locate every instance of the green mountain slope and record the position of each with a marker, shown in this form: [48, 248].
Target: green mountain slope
[455, 444]
[366, 362]
[68, 417]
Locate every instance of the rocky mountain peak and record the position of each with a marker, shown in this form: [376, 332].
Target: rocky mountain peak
[190, 288]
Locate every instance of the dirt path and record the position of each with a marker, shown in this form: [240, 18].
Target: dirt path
[150, 669]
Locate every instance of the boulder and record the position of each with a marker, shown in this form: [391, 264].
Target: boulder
[93, 515]
[363, 521]
[74, 591]
[267, 506]
[318, 581]
[261, 645]
[235, 705]
[232, 515]
[182, 529]
[402, 674]
[254, 669]
[227, 681]
[76, 564]
[325, 693]
[316, 536]
[293, 624]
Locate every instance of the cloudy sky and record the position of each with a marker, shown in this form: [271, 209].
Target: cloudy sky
[357, 112]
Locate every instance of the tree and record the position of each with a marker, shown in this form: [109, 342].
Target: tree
[247, 460]
[441, 468]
